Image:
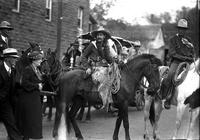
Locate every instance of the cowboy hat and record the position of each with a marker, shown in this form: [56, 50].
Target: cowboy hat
[6, 25]
[137, 43]
[182, 23]
[101, 30]
[10, 52]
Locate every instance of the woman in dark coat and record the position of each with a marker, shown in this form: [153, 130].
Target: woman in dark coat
[29, 103]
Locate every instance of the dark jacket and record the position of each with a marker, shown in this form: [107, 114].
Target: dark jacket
[6, 108]
[95, 52]
[6, 83]
[29, 110]
[180, 51]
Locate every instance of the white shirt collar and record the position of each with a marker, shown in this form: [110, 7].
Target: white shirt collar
[4, 38]
[7, 67]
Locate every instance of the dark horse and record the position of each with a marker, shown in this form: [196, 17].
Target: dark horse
[73, 83]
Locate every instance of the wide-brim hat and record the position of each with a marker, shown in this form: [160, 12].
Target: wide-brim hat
[6, 25]
[137, 43]
[36, 55]
[10, 52]
[183, 24]
[101, 30]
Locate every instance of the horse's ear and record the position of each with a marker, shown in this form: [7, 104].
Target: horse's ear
[31, 44]
[49, 51]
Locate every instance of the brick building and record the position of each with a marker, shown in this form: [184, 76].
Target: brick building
[37, 20]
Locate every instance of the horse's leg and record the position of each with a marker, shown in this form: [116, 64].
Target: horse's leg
[88, 116]
[81, 112]
[147, 105]
[44, 106]
[74, 109]
[125, 120]
[50, 104]
[158, 110]
[189, 128]
[117, 125]
[59, 109]
[194, 120]
[180, 110]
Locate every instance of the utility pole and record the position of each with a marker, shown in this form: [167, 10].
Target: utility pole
[59, 28]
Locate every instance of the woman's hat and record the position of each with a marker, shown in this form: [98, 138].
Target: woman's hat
[182, 23]
[36, 55]
[101, 30]
[6, 25]
[10, 52]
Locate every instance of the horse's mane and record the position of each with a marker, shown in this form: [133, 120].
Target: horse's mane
[55, 64]
[153, 59]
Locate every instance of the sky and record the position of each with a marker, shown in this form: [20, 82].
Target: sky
[134, 11]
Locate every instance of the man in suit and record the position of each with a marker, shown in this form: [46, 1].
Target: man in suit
[6, 89]
[5, 42]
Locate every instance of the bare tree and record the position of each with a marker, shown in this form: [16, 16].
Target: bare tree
[100, 10]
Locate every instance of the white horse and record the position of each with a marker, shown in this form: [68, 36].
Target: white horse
[194, 104]
[154, 105]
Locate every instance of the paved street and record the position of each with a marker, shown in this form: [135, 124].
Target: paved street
[102, 125]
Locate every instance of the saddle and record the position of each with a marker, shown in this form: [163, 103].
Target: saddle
[108, 80]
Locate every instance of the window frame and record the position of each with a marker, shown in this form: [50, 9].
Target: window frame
[80, 17]
[16, 9]
[48, 7]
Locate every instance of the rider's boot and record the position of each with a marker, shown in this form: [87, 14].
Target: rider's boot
[167, 103]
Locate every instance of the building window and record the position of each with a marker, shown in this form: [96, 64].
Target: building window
[48, 13]
[16, 6]
[80, 17]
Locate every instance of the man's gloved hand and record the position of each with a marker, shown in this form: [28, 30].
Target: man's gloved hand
[89, 71]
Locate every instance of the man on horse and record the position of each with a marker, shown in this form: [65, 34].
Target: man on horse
[134, 50]
[180, 50]
[137, 45]
[98, 50]
[72, 52]
[98, 60]
[5, 28]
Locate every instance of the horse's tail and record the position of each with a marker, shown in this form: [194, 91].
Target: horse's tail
[152, 113]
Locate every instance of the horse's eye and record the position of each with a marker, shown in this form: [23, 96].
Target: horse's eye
[154, 66]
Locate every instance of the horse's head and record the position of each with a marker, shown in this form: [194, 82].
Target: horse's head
[151, 72]
[51, 66]
[146, 65]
